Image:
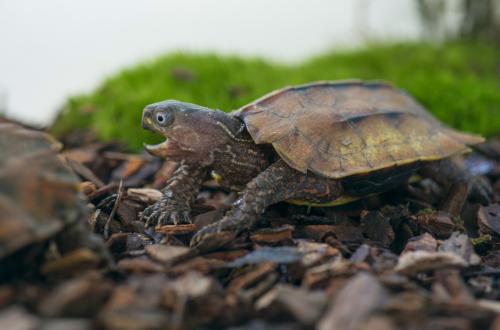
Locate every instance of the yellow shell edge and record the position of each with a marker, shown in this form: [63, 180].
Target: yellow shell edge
[339, 201]
[337, 175]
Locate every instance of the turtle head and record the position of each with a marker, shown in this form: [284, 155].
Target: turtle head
[192, 132]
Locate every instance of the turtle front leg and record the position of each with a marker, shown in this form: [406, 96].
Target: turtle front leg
[178, 196]
[277, 183]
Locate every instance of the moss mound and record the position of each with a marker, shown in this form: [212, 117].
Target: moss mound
[459, 83]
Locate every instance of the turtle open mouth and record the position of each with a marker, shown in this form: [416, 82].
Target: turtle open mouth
[157, 150]
[166, 149]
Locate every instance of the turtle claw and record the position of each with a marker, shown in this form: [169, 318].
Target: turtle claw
[164, 213]
[178, 218]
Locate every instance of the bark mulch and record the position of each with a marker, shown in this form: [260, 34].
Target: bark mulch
[393, 261]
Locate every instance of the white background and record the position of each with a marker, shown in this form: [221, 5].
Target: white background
[54, 48]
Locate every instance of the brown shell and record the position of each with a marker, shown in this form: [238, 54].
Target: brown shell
[337, 129]
[38, 193]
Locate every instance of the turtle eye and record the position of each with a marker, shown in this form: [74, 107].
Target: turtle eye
[162, 118]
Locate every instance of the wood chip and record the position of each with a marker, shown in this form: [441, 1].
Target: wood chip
[344, 232]
[129, 168]
[87, 188]
[192, 293]
[199, 264]
[17, 318]
[139, 265]
[492, 305]
[145, 195]
[250, 277]
[227, 256]
[377, 227]
[438, 223]
[461, 245]
[165, 254]
[355, 303]
[303, 305]
[79, 297]
[67, 323]
[314, 252]
[489, 219]
[273, 236]
[85, 173]
[455, 287]
[281, 255]
[177, 229]
[72, 262]
[415, 262]
[423, 242]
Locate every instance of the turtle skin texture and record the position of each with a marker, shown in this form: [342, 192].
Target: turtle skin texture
[39, 200]
[324, 143]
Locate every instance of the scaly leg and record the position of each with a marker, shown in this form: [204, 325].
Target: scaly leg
[460, 184]
[178, 196]
[277, 183]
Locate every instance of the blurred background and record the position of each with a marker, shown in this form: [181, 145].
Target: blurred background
[95, 64]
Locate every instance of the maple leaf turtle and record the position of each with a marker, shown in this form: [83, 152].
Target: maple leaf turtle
[324, 143]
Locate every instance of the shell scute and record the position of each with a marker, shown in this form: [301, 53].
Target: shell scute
[338, 129]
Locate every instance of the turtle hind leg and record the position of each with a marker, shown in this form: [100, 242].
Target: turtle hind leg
[277, 183]
[460, 184]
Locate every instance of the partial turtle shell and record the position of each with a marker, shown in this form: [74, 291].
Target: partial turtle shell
[338, 129]
[38, 193]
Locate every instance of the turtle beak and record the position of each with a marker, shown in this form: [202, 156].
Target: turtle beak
[158, 150]
[147, 123]
[147, 120]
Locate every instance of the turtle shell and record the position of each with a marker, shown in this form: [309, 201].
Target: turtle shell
[338, 129]
[38, 192]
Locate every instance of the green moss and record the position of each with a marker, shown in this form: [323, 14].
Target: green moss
[425, 211]
[482, 243]
[458, 82]
[481, 240]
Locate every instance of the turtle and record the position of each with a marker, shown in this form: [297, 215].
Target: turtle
[324, 143]
[39, 201]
